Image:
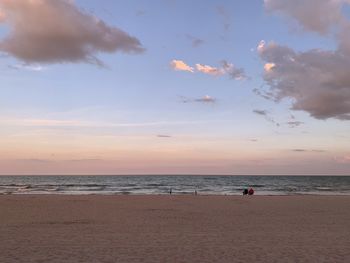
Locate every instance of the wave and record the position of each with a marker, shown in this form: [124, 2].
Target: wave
[179, 184]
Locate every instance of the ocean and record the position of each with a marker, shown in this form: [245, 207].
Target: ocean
[161, 185]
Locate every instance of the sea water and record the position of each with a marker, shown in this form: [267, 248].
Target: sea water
[159, 185]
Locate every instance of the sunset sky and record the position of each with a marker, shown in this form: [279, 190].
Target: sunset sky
[175, 87]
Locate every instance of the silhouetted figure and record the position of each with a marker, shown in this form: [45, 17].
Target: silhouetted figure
[170, 191]
[195, 192]
[251, 191]
[245, 191]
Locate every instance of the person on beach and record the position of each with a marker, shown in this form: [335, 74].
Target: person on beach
[251, 191]
[245, 191]
[170, 191]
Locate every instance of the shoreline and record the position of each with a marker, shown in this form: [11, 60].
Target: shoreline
[182, 194]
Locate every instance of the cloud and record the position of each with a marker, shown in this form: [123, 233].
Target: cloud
[298, 150]
[140, 12]
[33, 160]
[261, 46]
[226, 17]
[316, 81]
[209, 70]
[312, 15]
[342, 159]
[233, 71]
[206, 99]
[195, 41]
[163, 136]
[25, 66]
[264, 94]
[84, 160]
[267, 116]
[2, 16]
[260, 112]
[226, 68]
[306, 150]
[294, 124]
[268, 67]
[291, 124]
[57, 31]
[179, 65]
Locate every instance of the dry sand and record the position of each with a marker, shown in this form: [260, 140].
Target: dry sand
[174, 229]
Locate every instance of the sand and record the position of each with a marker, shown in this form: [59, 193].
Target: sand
[174, 229]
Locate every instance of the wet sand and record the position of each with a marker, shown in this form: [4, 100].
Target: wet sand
[174, 228]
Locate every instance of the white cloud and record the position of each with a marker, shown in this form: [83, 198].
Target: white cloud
[30, 67]
[57, 31]
[261, 45]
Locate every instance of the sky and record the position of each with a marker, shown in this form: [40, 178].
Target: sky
[175, 87]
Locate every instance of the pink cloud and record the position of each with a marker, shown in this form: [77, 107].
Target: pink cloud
[179, 65]
[343, 159]
[226, 68]
[209, 70]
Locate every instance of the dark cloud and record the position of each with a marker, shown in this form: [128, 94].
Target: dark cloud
[85, 160]
[164, 136]
[264, 94]
[293, 124]
[226, 17]
[306, 150]
[260, 112]
[185, 99]
[312, 15]
[316, 81]
[33, 160]
[56, 31]
[267, 116]
[233, 71]
[299, 150]
[140, 13]
[195, 41]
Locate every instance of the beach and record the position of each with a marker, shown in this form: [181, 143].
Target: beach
[174, 228]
